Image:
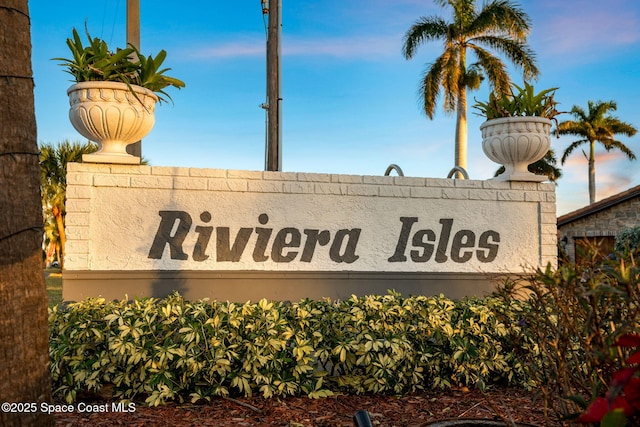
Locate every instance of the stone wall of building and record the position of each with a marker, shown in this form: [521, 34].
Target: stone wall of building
[605, 223]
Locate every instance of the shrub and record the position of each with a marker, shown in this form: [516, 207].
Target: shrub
[628, 241]
[574, 315]
[171, 349]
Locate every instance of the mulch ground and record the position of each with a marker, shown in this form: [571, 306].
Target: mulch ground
[508, 405]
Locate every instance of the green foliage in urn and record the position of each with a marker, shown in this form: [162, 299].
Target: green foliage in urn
[521, 101]
[96, 62]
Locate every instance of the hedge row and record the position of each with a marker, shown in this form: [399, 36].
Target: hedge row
[171, 349]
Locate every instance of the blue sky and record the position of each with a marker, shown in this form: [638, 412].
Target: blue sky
[350, 98]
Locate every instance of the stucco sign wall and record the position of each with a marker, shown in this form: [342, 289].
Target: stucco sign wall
[141, 218]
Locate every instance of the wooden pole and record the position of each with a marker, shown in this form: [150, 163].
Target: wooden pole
[274, 91]
[133, 37]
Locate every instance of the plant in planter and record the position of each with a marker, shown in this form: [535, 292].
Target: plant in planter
[115, 94]
[518, 128]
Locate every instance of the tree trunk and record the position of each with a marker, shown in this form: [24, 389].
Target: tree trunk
[57, 214]
[592, 172]
[24, 332]
[461, 133]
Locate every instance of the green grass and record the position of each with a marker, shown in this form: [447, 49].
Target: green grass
[54, 285]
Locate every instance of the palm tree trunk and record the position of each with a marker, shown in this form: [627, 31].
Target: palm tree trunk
[57, 214]
[592, 172]
[24, 331]
[461, 132]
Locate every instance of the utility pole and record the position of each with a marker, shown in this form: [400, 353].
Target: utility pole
[133, 37]
[273, 157]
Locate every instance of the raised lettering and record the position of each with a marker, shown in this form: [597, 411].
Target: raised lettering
[204, 235]
[445, 233]
[314, 237]
[419, 242]
[163, 235]
[349, 254]
[486, 245]
[401, 246]
[282, 241]
[259, 251]
[461, 240]
[223, 242]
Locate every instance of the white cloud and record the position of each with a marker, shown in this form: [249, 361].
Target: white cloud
[349, 47]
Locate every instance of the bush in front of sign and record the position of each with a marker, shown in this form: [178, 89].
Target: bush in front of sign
[169, 349]
[575, 316]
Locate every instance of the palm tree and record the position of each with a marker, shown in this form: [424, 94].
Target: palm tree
[500, 26]
[24, 331]
[53, 175]
[596, 126]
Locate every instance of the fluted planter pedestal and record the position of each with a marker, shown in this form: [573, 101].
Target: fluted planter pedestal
[112, 114]
[515, 143]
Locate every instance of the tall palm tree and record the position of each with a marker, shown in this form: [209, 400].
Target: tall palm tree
[24, 331]
[499, 25]
[53, 175]
[597, 125]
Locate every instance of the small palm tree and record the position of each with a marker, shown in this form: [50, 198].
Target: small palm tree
[596, 125]
[53, 181]
[500, 26]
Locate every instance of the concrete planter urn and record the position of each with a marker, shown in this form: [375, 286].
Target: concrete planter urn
[112, 114]
[515, 143]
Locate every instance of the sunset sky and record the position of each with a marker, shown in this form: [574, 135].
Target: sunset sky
[350, 98]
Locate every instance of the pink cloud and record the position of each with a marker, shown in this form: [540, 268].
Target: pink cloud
[580, 27]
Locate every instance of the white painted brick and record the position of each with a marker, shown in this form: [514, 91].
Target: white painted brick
[327, 188]
[455, 193]
[76, 219]
[362, 190]
[511, 195]
[298, 187]
[440, 182]
[496, 185]
[208, 173]
[410, 180]
[547, 186]
[548, 208]
[78, 205]
[535, 196]
[111, 181]
[491, 195]
[76, 261]
[227, 184]
[152, 182]
[467, 183]
[131, 170]
[347, 179]
[78, 192]
[78, 178]
[314, 177]
[524, 185]
[426, 193]
[377, 179]
[77, 247]
[548, 218]
[264, 186]
[169, 171]
[242, 174]
[77, 233]
[395, 191]
[190, 183]
[279, 176]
